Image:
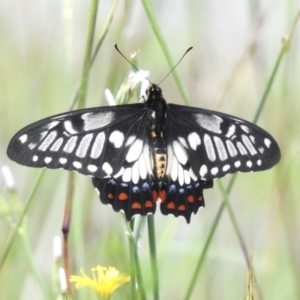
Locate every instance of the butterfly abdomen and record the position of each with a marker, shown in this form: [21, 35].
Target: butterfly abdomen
[157, 119]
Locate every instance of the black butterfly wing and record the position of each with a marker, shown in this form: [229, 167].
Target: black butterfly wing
[92, 141]
[216, 144]
[108, 143]
[203, 145]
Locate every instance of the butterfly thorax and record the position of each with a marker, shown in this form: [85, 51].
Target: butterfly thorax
[157, 118]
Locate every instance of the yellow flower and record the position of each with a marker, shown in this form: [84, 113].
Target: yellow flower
[104, 281]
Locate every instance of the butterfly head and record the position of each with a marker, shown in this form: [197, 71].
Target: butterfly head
[153, 91]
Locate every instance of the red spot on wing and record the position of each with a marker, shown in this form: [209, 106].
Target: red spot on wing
[136, 205]
[181, 207]
[162, 195]
[110, 196]
[123, 196]
[200, 198]
[190, 199]
[148, 203]
[171, 205]
[155, 196]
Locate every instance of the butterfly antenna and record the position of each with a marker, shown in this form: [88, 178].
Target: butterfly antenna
[185, 53]
[116, 46]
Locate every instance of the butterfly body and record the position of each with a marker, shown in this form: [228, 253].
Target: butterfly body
[138, 154]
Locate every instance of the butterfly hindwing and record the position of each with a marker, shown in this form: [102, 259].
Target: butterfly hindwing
[183, 199]
[132, 198]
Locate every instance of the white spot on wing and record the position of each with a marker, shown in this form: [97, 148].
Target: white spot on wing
[148, 158]
[130, 140]
[259, 162]
[220, 148]
[135, 173]
[170, 158]
[31, 146]
[135, 151]
[127, 175]
[267, 142]
[107, 168]
[209, 148]
[182, 141]
[231, 131]
[47, 159]
[84, 145]
[43, 134]
[69, 127]
[237, 164]
[261, 150]
[77, 164]
[214, 171]
[209, 122]
[241, 148]
[98, 145]
[192, 175]
[52, 124]
[98, 120]
[174, 168]
[57, 144]
[226, 168]
[203, 171]
[231, 148]
[142, 167]
[180, 175]
[35, 158]
[249, 163]
[62, 160]
[245, 128]
[187, 178]
[248, 145]
[194, 140]
[92, 168]
[119, 173]
[23, 138]
[48, 141]
[180, 152]
[116, 138]
[70, 145]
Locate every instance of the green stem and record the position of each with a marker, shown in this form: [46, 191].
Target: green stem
[283, 50]
[135, 268]
[158, 34]
[80, 98]
[28, 202]
[152, 246]
[105, 29]
[207, 242]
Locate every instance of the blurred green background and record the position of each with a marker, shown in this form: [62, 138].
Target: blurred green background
[236, 44]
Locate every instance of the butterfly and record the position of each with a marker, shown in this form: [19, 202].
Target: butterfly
[140, 153]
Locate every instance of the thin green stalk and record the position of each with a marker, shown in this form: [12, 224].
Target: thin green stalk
[152, 246]
[135, 269]
[283, 50]
[207, 243]
[80, 99]
[28, 202]
[158, 34]
[30, 260]
[105, 29]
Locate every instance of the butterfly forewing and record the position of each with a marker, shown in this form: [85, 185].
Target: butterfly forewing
[215, 144]
[91, 141]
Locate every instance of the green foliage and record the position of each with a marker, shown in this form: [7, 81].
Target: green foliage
[237, 66]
